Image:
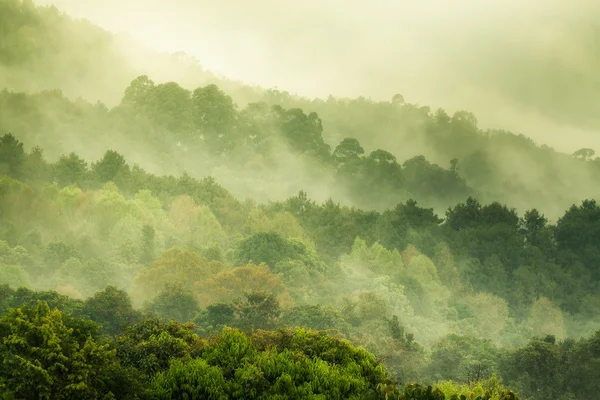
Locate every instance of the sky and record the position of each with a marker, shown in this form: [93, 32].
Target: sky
[529, 66]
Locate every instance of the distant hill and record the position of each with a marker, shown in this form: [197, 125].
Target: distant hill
[42, 48]
[165, 130]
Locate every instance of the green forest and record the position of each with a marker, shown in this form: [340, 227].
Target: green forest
[199, 238]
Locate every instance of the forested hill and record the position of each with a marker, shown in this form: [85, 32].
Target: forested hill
[42, 48]
[189, 236]
[394, 149]
[267, 151]
[475, 295]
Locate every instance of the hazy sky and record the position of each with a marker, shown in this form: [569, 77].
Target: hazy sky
[484, 56]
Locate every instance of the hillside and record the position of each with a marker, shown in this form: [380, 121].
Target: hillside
[168, 233]
[528, 67]
[272, 152]
[464, 297]
[41, 48]
[492, 165]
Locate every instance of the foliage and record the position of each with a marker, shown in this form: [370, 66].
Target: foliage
[47, 355]
[432, 250]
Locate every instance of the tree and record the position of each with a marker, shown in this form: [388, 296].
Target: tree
[170, 107]
[174, 302]
[136, 94]
[315, 317]
[542, 359]
[464, 123]
[220, 315]
[375, 258]
[262, 247]
[58, 252]
[175, 266]
[272, 249]
[398, 99]
[584, 154]
[47, 355]
[24, 297]
[532, 224]
[303, 132]
[13, 275]
[490, 313]
[370, 305]
[195, 224]
[12, 156]
[234, 283]
[259, 310]
[195, 379]
[454, 357]
[429, 181]
[147, 247]
[112, 309]
[283, 364]
[35, 168]
[382, 156]
[546, 319]
[348, 149]
[109, 166]
[151, 345]
[70, 170]
[282, 223]
[214, 112]
[584, 364]
[454, 165]
[578, 232]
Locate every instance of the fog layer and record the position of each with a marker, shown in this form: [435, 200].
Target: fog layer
[528, 67]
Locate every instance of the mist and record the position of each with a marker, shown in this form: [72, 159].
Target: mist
[527, 67]
[387, 194]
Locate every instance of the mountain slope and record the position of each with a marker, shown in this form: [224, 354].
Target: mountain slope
[42, 48]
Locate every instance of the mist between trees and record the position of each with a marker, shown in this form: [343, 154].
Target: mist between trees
[194, 236]
[459, 298]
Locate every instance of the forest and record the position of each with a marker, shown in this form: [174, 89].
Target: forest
[203, 239]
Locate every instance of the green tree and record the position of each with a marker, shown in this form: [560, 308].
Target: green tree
[220, 315]
[12, 156]
[259, 310]
[109, 166]
[147, 247]
[533, 225]
[111, 308]
[35, 168]
[537, 370]
[584, 154]
[174, 302]
[215, 116]
[283, 364]
[583, 367]
[195, 379]
[150, 345]
[70, 170]
[348, 149]
[46, 355]
[456, 357]
[271, 248]
[578, 233]
[315, 317]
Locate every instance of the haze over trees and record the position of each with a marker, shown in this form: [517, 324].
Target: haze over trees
[182, 243]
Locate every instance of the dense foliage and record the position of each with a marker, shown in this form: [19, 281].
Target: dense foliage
[167, 247]
[265, 143]
[438, 299]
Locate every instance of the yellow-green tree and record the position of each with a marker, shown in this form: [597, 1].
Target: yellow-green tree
[234, 283]
[546, 319]
[176, 266]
